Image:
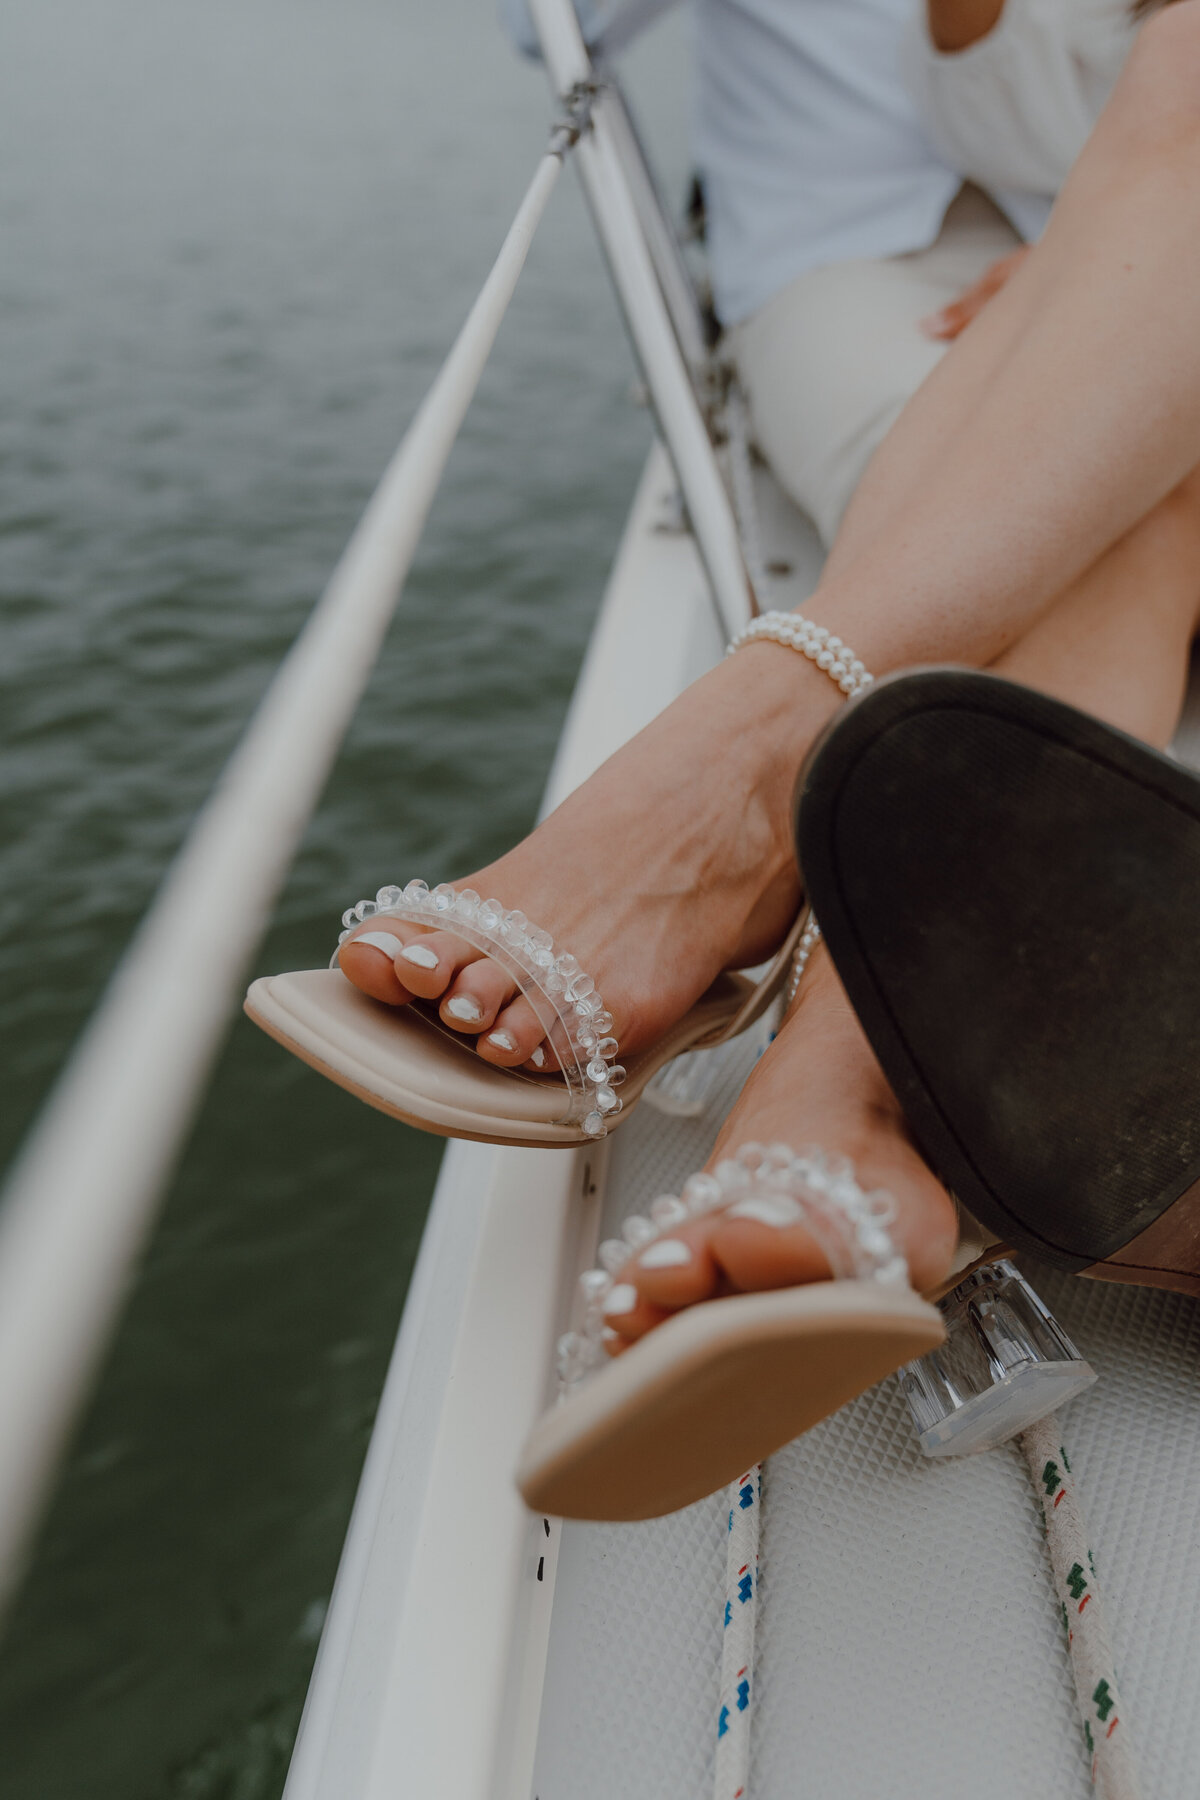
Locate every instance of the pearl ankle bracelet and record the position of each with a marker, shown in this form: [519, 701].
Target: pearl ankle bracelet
[817, 642]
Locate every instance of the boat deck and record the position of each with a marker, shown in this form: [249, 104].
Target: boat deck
[909, 1641]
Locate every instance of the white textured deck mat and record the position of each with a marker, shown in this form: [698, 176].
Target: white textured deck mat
[908, 1639]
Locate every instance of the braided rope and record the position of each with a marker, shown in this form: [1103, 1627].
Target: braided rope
[1104, 1729]
[732, 1778]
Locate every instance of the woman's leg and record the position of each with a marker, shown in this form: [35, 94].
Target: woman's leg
[1066, 414]
[1069, 408]
[819, 1081]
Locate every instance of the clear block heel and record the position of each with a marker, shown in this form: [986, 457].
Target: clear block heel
[1006, 1363]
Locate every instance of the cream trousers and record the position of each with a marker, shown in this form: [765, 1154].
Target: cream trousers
[829, 361]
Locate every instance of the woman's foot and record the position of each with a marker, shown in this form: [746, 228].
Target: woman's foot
[818, 1083]
[672, 863]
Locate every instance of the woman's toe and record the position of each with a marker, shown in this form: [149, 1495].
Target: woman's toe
[368, 959]
[475, 996]
[430, 960]
[628, 1315]
[677, 1269]
[516, 1038]
[757, 1253]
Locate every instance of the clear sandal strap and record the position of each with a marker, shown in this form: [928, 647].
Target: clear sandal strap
[576, 1023]
[775, 1184]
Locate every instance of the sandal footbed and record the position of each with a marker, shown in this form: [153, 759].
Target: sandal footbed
[1009, 890]
[715, 1389]
[395, 1060]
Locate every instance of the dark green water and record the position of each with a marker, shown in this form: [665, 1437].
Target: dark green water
[235, 241]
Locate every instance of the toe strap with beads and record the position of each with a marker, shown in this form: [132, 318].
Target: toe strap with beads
[575, 1020]
[775, 1185]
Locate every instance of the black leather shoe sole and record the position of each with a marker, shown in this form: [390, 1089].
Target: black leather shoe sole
[1010, 891]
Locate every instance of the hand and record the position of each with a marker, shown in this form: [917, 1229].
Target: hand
[953, 319]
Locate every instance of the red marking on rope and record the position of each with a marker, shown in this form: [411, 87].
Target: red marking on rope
[739, 1794]
[1084, 1601]
[740, 1673]
[1070, 1637]
[743, 1568]
[1061, 1495]
[1112, 1728]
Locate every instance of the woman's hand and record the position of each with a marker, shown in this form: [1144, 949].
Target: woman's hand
[955, 318]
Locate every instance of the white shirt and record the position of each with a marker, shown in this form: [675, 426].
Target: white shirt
[827, 130]
[1013, 111]
[808, 144]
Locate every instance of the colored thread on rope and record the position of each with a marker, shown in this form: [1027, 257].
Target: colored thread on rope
[739, 1617]
[1105, 1730]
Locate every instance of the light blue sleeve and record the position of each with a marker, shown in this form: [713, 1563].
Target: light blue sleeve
[514, 16]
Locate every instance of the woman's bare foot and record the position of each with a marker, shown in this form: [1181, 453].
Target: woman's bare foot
[817, 1084]
[671, 864]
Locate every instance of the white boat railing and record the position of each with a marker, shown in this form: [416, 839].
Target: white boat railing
[83, 1192]
[606, 184]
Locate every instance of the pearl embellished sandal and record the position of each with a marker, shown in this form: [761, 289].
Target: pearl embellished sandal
[721, 1384]
[405, 1062]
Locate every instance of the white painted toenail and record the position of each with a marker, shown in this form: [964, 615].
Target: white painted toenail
[608, 1337]
[623, 1299]
[778, 1210]
[419, 956]
[538, 1057]
[668, 1253]
[503, 1040]
[382, 940]
[463, 1007]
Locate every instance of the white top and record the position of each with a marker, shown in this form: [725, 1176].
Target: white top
[827, 130]
[1013, 111]
[807, 142]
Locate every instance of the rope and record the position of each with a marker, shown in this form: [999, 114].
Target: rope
[737, 1641]
[1104, 1729]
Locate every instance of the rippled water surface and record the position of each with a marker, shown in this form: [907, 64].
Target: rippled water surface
[235, 240]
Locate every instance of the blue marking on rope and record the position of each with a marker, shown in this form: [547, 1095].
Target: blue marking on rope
[745, 1588]
[745, 1497]
[728, 1611]
[722, 1721]
[730, 1525]
[743, 1695]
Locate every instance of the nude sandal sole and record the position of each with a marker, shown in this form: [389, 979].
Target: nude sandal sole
[404, 1062]
[401, 1063]
[713, 1390]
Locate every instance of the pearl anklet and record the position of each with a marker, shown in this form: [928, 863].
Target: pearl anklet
[821, 646]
